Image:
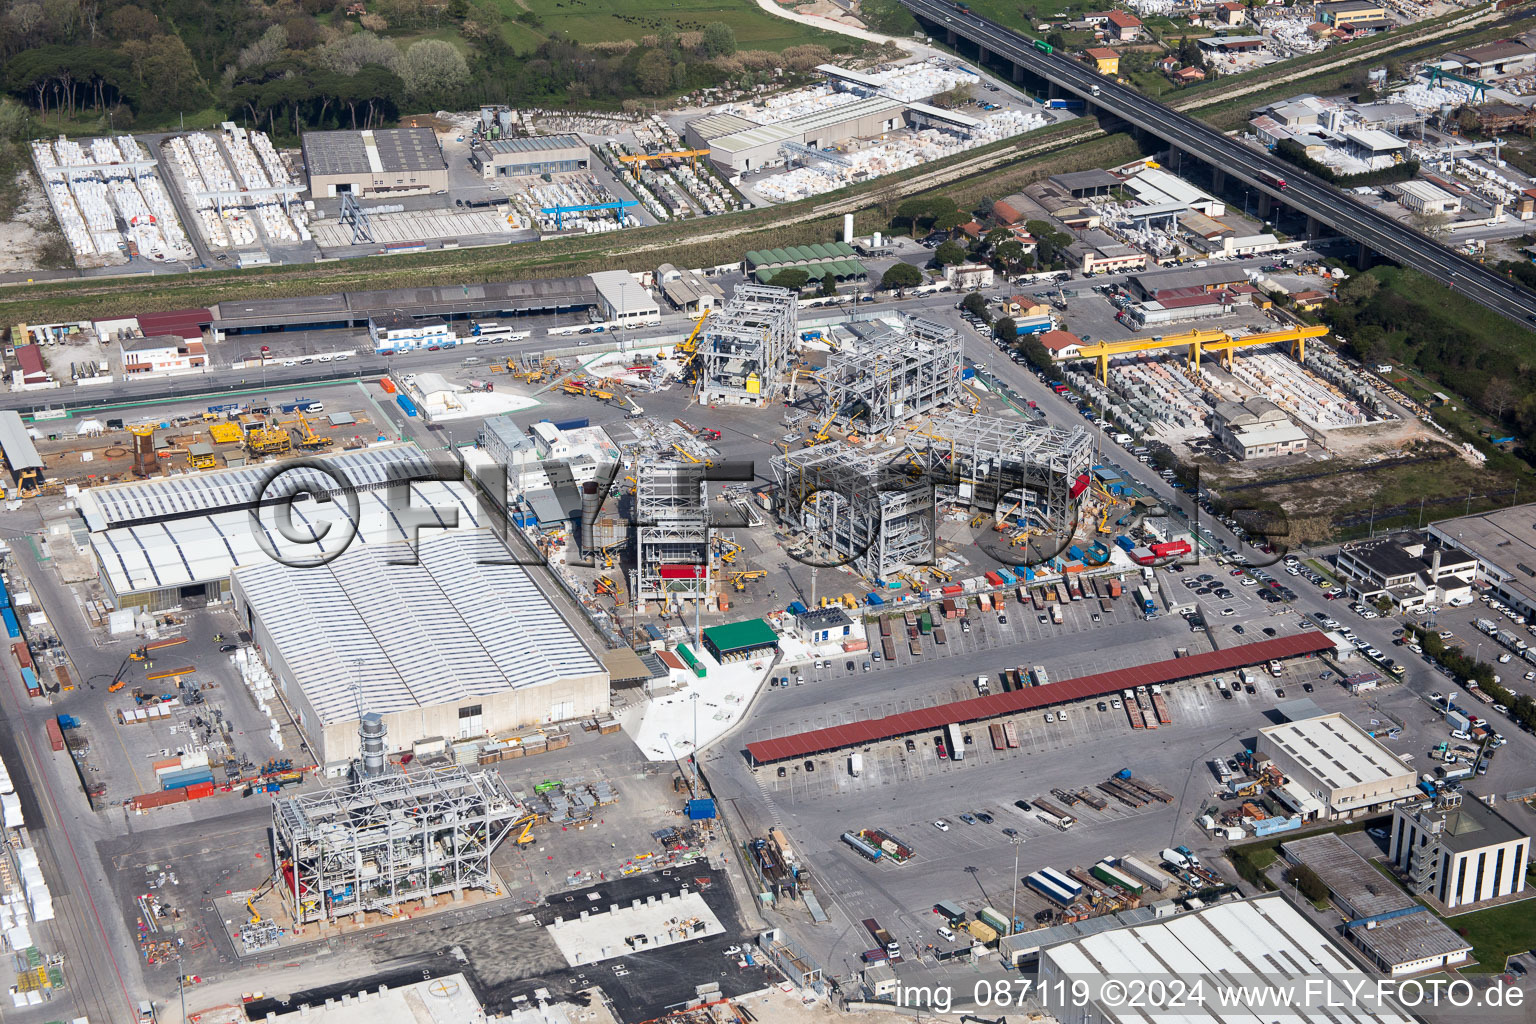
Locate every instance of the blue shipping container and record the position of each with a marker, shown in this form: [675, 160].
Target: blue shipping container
[873, 598]
[796, 608]
[575, 424]
[5, 596]
[1124, 542]
[12, 627]
[30, 678]
[186, 777]
[406, 404]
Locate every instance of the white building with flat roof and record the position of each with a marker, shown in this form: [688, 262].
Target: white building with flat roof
[1426, 197]
[1460, 853]
[1261, 944]
[623, 300]
[450, 641]
[1335, 761]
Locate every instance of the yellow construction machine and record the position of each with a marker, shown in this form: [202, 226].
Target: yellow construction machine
[739, 580]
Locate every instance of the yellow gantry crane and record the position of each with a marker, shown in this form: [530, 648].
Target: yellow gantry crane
[636, 160]
[1200, 342]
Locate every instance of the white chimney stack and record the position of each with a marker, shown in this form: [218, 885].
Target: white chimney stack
[848, 228]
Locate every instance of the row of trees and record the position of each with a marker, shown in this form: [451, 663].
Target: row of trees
[283, 67]
[1521, 708]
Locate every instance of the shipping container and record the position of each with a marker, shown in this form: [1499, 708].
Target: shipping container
[1159, 880]
[956, 742]
[1045, 887]
[29, 680]
[1107, 873]
[405, 403]
[55, 734]
[21, 654]
[997, 921]
[995, 579]
[952, 912]
[12, 627]
[1115, 587]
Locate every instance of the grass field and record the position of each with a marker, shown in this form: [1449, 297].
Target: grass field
[593, 21]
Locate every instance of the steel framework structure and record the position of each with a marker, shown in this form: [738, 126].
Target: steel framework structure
[382, 841]
[875, 508]
[859, 504]
[893, 375]
[988, 458]
[744, 350]
[672, 529]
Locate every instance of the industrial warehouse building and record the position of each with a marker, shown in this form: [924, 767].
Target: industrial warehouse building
[453, 643]
[1396, 933]
[381, 161]
[1504, 544]
[738, 641]
[1256, 428]
[1263, 941]
[738, 145]
[1459, 853]
[515, 158]
[818, 260]
[1335, 769]
[162, 542]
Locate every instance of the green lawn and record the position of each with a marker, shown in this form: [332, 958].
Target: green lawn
[1024, 15]
[592, 21]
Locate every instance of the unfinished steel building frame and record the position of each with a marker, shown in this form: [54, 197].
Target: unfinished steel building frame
[892, 375]
[744, 353]
[876, 508]
[994, 463]
[859, 504]
[376, 844]
[672, 534]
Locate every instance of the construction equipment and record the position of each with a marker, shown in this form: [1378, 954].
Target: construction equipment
[636, 160]
[606, 585]
[940, 574]
[264, 440]
[311, 440]
[739, 580]
[685, 453]
[728, 550]
[687, 351]
[526, 835]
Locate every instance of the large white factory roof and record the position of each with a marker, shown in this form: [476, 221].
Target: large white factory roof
[396, 637]
[163, 497]
[1257, 944]
[1337, 752]
[205, 547]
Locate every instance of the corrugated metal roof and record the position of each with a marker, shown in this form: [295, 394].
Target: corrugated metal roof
[185, 323]
[980, 708]
[20, 452]
[739, 636]
[460, 622]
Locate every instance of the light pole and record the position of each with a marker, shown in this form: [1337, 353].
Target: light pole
[1013, 912]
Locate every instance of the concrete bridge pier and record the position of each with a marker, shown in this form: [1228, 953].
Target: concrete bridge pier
[1018, 72]
[950, 39]
[1314, 226]
[1218, 180]
[1362, 257]
[1266, 205]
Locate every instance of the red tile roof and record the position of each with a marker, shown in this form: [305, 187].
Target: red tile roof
[185, 323]
[978, 709]
[1120, 19]
[30, 359]
[1058, 340]
[1102, 53]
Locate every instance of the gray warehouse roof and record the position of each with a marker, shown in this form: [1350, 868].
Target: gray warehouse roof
[538, 144]
[393, 637]
[379, 150]
[19, 450]
[358, 307]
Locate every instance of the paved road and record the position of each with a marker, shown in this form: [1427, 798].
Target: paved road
[1295, 188]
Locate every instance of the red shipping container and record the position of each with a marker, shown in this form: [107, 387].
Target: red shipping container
[994, 579]
[683, 572]
[1079, 486]
[198, 791]
[22, 655]
[55, 734]
[952, 589]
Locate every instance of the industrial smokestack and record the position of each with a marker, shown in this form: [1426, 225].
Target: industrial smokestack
[1434, 565]
[848, 228]
[372, 732]
[590, 503]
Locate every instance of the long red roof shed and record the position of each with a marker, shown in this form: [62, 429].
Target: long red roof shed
[975, 709]
[184, 323]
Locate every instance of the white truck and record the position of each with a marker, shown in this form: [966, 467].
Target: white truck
[982, 686]
[855, 764]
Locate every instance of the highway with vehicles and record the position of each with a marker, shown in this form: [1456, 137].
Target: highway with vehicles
[1294, 187]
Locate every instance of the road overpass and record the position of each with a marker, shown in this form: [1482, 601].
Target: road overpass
[1304, 192]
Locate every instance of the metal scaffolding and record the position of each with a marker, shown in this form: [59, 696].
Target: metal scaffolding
[876, 508]
[991, 460]
[376, 844]
[859, 504]
[744, 351]
[672, 535]
[890, 375]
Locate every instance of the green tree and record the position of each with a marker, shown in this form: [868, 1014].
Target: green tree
[792, 278]
[1036, 354]
[901, 275]
[1006, 329]
[1010, 256]
[976, 304]
[719, 40]
[828, 286]
[949, 254]
[653, 72]
[1056, 40]
[996, 237]
[433, 68]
